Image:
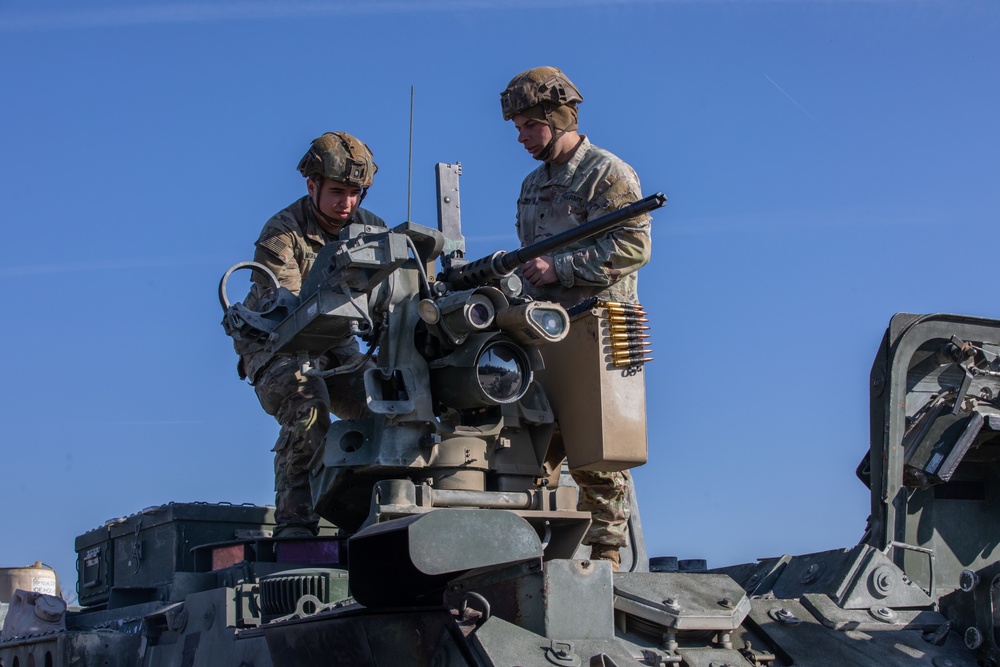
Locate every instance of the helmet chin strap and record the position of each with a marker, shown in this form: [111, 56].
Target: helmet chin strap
[549, 149]
[546, 153]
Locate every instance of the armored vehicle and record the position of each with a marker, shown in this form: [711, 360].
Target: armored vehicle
[452, 535]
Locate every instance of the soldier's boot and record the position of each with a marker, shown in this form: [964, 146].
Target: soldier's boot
[607, 552]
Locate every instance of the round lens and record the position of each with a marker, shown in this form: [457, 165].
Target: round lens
[502, 372]
[479, 315]
[550, 320]
[479, 312]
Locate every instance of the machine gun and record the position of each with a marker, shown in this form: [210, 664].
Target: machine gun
[456, 418]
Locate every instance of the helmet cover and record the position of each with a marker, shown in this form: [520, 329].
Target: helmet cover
[545, 86]
[340, 157]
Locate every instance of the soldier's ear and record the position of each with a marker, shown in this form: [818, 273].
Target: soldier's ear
[311, 186]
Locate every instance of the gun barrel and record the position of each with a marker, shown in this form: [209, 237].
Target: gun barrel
[501, 263]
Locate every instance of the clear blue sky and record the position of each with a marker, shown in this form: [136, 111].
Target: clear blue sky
[828, 163]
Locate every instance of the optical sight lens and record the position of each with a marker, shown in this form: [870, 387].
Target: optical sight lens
[479, 315]
[502, 370]
[550, 320]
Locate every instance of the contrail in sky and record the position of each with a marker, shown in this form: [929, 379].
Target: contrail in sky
[188, 12]
[802, 108]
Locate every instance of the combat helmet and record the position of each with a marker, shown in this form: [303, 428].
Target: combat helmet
[340, 157]
[544, 86]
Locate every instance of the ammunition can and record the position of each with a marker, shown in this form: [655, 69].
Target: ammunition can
[600, 406]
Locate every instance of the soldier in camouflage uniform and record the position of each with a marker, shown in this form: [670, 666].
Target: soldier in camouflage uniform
[575, 183]
[339, 170]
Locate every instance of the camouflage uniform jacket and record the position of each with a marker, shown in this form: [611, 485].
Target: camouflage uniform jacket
[555, 198]
[287, 245]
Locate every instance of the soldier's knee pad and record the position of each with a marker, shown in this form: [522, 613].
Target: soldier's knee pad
[296, 410]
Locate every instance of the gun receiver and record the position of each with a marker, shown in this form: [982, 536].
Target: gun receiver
[501, 263]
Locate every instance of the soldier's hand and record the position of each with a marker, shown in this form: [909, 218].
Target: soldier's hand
[540, 271]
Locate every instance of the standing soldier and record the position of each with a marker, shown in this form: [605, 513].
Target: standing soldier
[338, 169]
[575, 183]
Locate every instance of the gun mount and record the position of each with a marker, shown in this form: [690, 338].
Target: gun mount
[457, 416]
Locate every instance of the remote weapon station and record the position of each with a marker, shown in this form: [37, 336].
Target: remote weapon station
[452, 536]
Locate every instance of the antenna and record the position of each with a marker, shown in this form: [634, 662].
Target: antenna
[409, 170]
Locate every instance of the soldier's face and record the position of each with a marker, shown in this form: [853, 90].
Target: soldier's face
[532, 134]
[337, 200]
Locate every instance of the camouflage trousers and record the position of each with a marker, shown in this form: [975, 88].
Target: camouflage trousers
[302, 405]
[606, 496]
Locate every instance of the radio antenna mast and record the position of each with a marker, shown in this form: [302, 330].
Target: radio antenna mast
[409, 170]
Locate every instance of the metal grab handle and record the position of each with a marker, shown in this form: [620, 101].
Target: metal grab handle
[236, 267]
